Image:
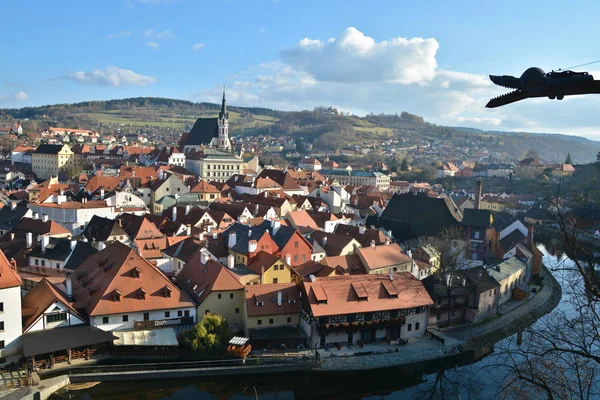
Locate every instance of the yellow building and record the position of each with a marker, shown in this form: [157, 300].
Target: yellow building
[50, 159]
[385, 259]
[271, 269]
[214, 287]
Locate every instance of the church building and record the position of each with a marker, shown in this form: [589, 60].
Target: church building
[208, 150]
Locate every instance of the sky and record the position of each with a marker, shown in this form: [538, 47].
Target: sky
[430, 58]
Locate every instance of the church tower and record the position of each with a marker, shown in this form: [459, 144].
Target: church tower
[223, 139]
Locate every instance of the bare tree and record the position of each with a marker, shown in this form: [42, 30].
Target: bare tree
[450, 245]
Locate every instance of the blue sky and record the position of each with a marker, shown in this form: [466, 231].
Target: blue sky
[429, 57]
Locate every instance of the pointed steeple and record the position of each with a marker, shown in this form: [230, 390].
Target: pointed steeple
[223, 113]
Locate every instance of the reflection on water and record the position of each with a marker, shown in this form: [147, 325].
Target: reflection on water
[478, 378]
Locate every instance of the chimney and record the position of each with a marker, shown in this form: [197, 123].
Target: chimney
[249, 232]
[188, 230]
[35, 215]
[279, 298]
[45, 242]
[288, 259]
[391, 275]
[73, 244]
[29, 239]
[479, 185]
[69, 286]
[13, 205]
[252, 246]
[266, 194]
[101, 194]
[174, 213]
[101, 246]
[45, 217]
[201, 236]
[256, 210]
[372, 244]
[312, 278]
[215, 235]
[530, 236]
[59, 200]
[362, 229]
[188, 208]
[203, 256]
[262, 274]
[232, 240]
[324, 241]
[230, 261]
[209, 228]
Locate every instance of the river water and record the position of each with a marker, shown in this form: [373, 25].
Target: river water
[479, 379]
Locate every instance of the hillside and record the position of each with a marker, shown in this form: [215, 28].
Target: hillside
[327, 132]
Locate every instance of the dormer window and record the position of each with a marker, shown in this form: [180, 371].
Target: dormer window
[116, 295]
[141, 294]
[136, 273]
[260, 303]
[167, 291]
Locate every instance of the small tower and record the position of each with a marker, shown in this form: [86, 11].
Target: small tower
[223, 140]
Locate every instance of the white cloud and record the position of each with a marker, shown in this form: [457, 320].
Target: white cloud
[153, 45]
[3, 97]
[112, 76]
[118, 35]
[148, 33]
[166, 34]
[198, 46]
[20, 96]
[355, 57]
[261, 30]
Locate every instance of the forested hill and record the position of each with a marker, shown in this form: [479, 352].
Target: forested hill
[327, 130]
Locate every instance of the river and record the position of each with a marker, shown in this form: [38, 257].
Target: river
[479, 379]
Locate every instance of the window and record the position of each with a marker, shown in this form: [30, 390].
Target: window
[417, 326]
[490, 293]
[186, 313]
[43, 263]
[57, 265]
[296, 244]
[1, 344]
[237, 310]
[289, 320]
[146, 316]
[476, 235]
[125, 318]
[37, 262]
[296, 258]
[1, 325]
[453, 313]
[275, 280]
[438, 317]
[489, 307]
[219, 295]
[271, 321]
[105, 320]
[231, 295]
[259, 322]
[409, 327]
[303, 257]
[1, 307]
[180, 313]
[167, 314]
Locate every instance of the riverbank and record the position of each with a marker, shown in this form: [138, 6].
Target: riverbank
[457, 342]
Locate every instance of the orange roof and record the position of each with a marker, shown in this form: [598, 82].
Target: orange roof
[75, 204]
[9, 277]
[263, 260]
[302, 221]
[205, 187]
[201, 279]
[108, 183]
[138, 172]
[118, 280]
[376, 257]
[21, 148]
[340, 294]
[265, 183]
[39, 299]
[138, 150]
[263, 299]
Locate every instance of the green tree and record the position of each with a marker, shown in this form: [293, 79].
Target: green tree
[404, 165]
[208, 337]
[598, 157]
[569, 160]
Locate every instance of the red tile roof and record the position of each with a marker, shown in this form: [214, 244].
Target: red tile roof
[263, 299]
[338, 295]
[9, 277]
[376, 257]
[115, 279]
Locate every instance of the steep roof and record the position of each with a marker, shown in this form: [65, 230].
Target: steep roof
[118, 280]
[203, 131]
[513, 238]
[412, 215]
[48, 149]
[338, 294]
[39, 299]
[263, 260]
[199, 280]
[99, 229]
[10, 218]
[183, 250]
[480, 278]
[335, 243]
[350, 263]
[364, 238]
[263, 299]
[40, 227]
[477, 218]
[9, 277]
[506, 268]
[79, 254]
[376, 257]
[204, 187]
[302, 221]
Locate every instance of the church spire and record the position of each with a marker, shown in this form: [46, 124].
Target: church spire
[223, 113]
